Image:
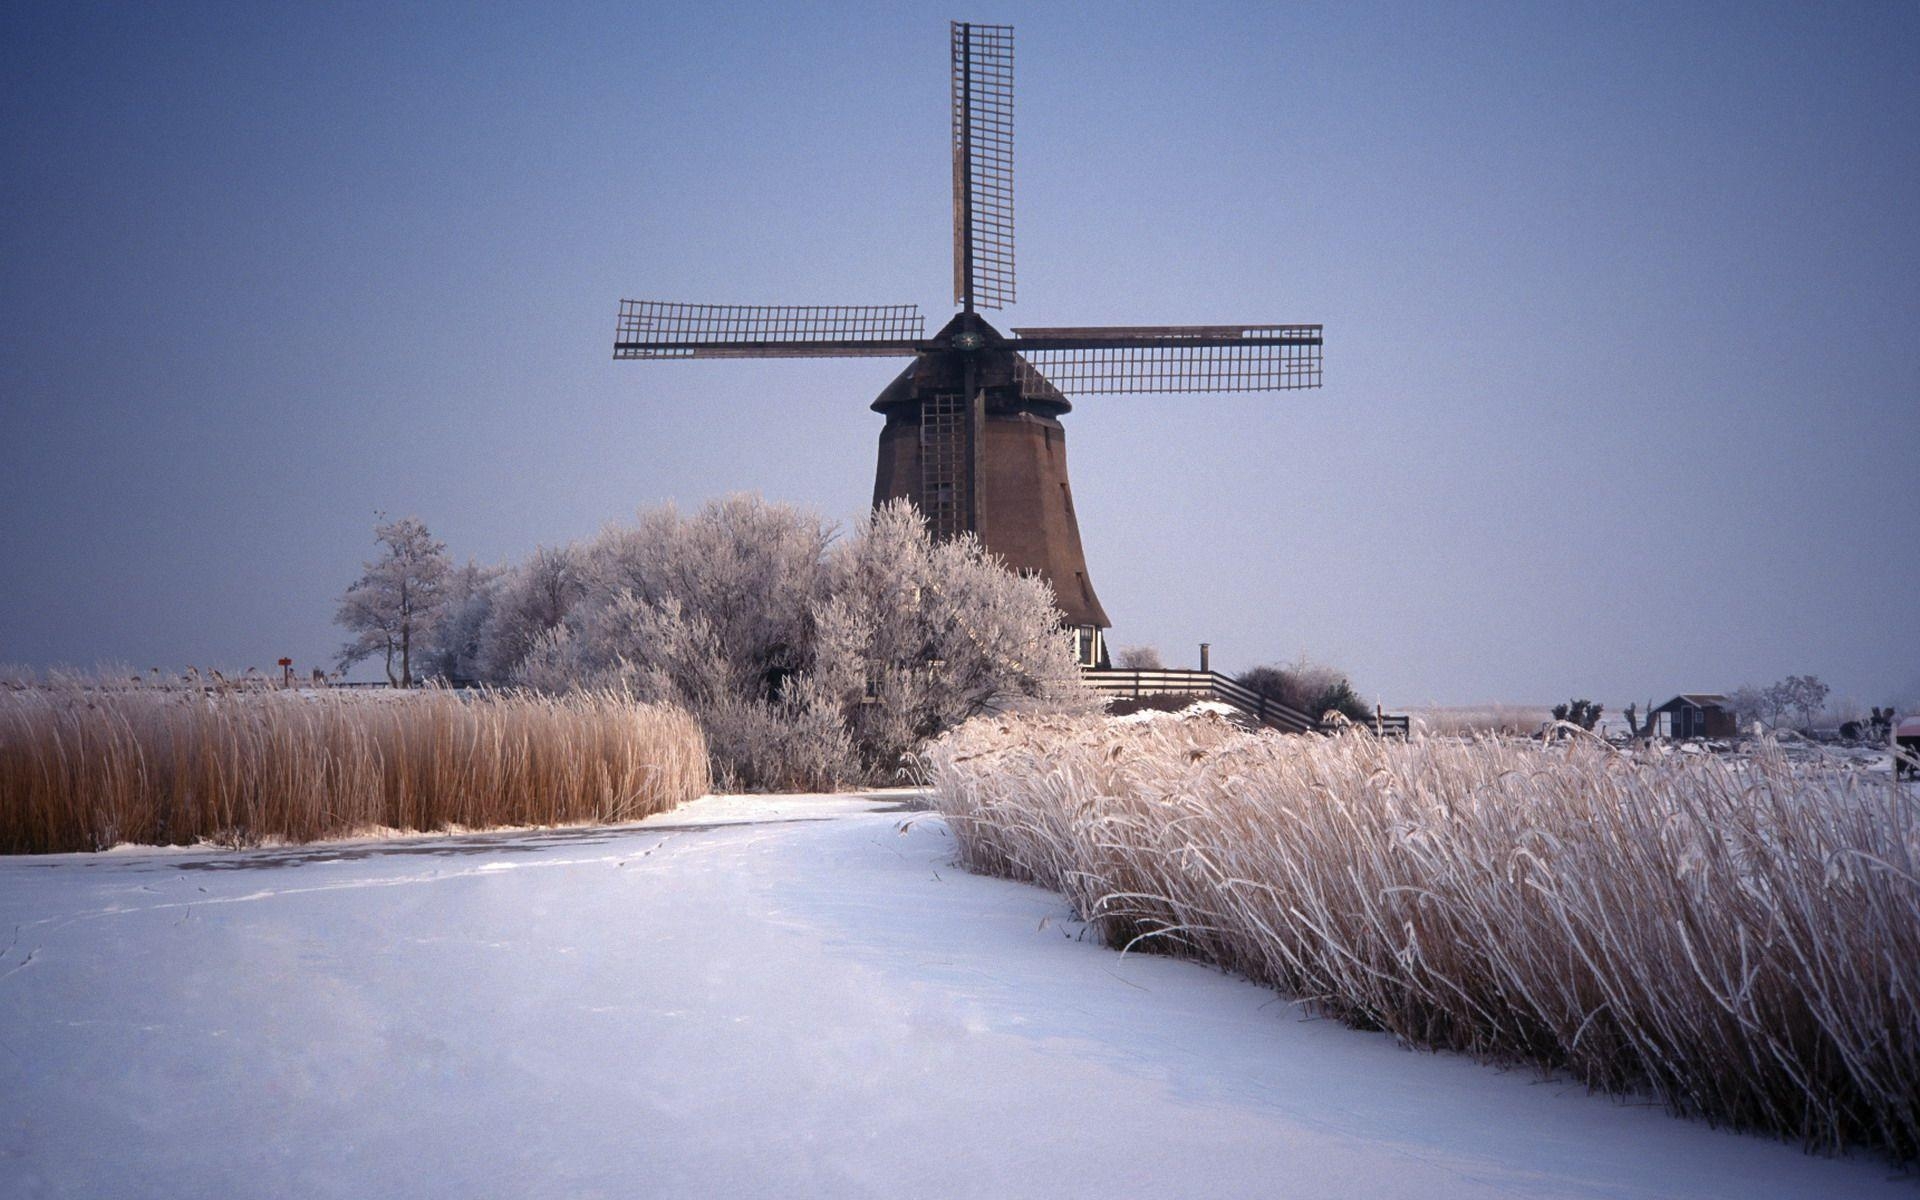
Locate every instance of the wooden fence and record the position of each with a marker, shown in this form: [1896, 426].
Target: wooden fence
[1212, 685]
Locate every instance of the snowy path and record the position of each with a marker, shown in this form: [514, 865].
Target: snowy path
[787, 1007]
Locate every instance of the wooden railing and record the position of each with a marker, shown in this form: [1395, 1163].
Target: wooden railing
[1215, 686]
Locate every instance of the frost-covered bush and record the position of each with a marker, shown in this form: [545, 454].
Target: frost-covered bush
[456, 636]
[529, 602]
[808, 662]
[916, 636]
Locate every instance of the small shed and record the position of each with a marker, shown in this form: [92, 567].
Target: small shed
[1696, 715]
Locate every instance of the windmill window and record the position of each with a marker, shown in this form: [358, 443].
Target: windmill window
[1086, 645]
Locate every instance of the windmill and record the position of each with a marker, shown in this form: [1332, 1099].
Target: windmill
[973, 436]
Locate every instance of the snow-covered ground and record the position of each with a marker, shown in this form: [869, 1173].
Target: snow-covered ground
[784, 996]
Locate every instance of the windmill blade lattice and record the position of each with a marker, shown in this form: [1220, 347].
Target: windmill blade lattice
[982, 165]
[667, 329]
[974, 437]
[1167, 358]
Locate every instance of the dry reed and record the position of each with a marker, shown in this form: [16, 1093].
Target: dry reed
[1467, 720]
[82, 768]
[1741, 938]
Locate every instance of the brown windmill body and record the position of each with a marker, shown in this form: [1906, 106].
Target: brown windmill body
[973, 437]
[974, 454]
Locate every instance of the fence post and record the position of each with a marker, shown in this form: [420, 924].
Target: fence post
[1203, 655]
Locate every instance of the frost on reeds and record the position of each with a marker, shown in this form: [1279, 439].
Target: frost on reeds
[82, 768]
[1466, 721]
[1739, 937]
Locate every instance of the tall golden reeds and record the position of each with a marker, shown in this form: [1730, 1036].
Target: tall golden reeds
[84, 767]
[1741, 937]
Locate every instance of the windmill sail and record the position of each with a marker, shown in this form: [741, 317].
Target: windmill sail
[973, 435]
[1117, 359]
[665, 329]
[982, 165]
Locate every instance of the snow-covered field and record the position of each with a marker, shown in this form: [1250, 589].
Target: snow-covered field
[750, 996]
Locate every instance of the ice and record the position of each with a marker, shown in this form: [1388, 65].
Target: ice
[793, 996]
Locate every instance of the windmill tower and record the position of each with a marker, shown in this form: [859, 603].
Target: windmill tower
[973, 435]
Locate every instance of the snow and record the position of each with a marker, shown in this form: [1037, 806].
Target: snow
[1198, 708]
[789, 996]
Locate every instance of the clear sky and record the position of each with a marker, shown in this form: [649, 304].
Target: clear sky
[1622, 308]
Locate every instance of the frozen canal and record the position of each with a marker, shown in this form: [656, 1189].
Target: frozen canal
[808, 1001]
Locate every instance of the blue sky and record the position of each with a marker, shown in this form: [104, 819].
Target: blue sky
[1622, 389]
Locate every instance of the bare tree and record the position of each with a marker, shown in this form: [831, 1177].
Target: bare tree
[1750, 704]
[1804, 694]
[1807, 695]
[1138, 658]
[396, 601]
[1776, 699]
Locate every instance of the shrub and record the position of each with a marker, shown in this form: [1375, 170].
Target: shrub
[528, 602]
[455, 650]
[1138, 658]
[1310, 687]
[1126, 706]
[1584, 713]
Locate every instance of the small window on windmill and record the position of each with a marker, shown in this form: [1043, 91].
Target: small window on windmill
[1086, 644]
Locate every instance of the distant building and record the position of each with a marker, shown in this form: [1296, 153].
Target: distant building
[1695, 715]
